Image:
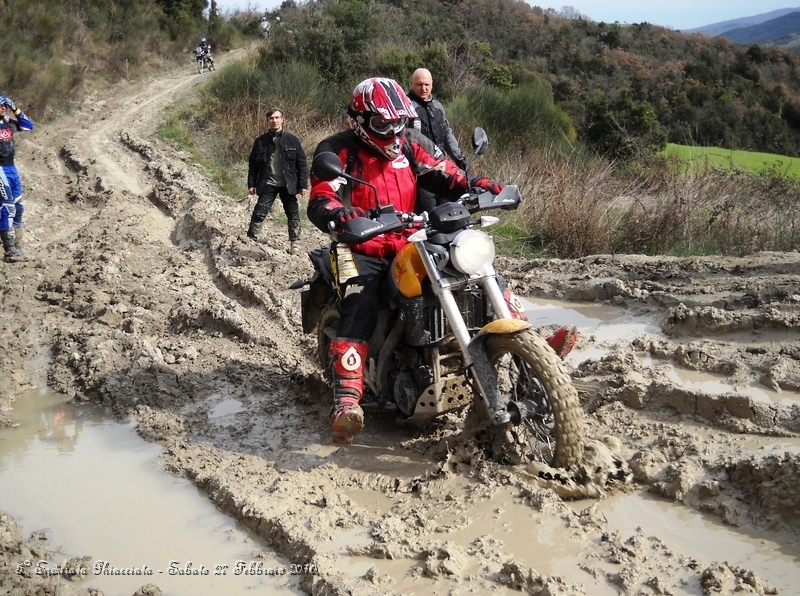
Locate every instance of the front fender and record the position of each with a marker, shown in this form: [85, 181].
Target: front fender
[482, 368]
[504, 326]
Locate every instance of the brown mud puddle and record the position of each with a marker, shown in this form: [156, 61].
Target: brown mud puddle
[93, 484]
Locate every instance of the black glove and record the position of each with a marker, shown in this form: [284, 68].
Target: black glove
[345, 214]
[461, 163]
[490, 185]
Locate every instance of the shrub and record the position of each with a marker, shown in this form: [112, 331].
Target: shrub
[52, 83]
[240, 96]
[571, 207]
[622, 127]
[397, 63]
[518, 120]
[44, 30]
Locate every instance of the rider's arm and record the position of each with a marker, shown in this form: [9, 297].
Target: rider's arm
[452, 148]
[16, 116]
[324, 205]
[325, 198]
[435, 174]
[21, 121]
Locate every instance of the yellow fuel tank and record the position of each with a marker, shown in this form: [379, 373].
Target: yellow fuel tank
[408, 271]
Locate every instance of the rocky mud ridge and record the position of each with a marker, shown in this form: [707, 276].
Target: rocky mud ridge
[143, 294]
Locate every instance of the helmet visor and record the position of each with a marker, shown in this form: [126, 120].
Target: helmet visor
[387, 128]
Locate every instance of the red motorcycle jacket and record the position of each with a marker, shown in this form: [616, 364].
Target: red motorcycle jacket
[396, 182]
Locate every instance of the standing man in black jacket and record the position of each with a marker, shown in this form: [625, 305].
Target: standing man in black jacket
[432, 122]
[277, 167]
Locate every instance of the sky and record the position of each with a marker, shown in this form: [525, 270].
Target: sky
[676, 14]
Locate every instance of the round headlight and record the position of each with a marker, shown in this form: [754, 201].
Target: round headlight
[471, 251]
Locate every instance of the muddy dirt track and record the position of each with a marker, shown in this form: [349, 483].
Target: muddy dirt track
[144, 295]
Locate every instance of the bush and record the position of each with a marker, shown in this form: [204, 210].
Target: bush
[55, 81]
[240, 96]
[571, 207]
[519, 120]
[397, 63]
[339, 38]
[622, 127]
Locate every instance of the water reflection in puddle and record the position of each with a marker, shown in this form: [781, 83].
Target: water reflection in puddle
[718, 384]
[96, 487]
[607, 324]
[226, 407]
[604, 323]
[702, 537]
[547, 544]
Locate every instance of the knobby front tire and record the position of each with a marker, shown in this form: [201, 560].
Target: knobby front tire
[528, 369]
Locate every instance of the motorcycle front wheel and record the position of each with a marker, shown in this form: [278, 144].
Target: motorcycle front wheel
[529, 371]
[199, 67]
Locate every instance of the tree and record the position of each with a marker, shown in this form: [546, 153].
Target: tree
[622, 128]
[181, 15]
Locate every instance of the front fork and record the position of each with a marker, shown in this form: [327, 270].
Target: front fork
[473, 349]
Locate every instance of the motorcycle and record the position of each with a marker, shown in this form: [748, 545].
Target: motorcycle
[446, 337]
[204, 60]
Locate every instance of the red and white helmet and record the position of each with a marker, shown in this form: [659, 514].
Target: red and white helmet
[380, 110]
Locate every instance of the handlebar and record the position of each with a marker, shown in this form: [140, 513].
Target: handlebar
[385, 219]
[481, 200]
[381, 221]
[408, 219]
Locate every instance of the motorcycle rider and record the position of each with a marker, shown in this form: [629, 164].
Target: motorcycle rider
[205, 51]
[265, 27]
[11, 207]
[381, 151]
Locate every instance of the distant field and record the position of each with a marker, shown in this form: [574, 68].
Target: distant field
[703, 157]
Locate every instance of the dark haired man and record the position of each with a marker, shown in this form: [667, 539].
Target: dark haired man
[277, 167]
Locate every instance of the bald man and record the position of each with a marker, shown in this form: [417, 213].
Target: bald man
[432, 122]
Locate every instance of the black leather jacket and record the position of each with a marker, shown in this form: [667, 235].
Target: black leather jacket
[432, 122]
[295, 170]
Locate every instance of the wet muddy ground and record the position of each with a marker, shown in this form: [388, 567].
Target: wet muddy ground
[144, 297]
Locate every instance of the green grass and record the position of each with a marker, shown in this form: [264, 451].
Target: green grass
[176, 129]
[699, 159]
[511, 240]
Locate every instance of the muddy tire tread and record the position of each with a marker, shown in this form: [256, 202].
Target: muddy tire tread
[555, 378]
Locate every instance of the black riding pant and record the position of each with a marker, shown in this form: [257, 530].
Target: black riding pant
[361, 295]
[290, 206]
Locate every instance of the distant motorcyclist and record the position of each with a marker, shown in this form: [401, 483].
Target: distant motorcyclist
[265, 27]
[204, 51]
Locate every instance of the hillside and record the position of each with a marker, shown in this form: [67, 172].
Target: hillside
[782, 31]
[714, 29]
[626, 88]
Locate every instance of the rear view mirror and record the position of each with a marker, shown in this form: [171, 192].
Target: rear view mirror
[326, 166]
[480, 141]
